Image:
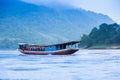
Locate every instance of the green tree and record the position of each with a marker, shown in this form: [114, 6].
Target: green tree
[105, 35]
[86, 41]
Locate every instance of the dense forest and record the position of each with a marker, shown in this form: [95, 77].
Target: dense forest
[106, 34]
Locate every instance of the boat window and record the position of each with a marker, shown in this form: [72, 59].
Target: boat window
[50, 46]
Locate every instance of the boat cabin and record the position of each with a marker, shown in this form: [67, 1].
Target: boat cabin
[54, 47]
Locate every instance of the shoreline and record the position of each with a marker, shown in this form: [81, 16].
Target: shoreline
[102, 47]
[92, 48]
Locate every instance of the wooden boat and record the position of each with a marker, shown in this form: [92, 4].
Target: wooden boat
[55, 49]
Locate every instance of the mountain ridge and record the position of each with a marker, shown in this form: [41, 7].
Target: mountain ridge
[31, 23]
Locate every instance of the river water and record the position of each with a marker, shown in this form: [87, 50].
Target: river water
[82, 65]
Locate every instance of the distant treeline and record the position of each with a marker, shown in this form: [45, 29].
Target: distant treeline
[106, 34]
[8, 43]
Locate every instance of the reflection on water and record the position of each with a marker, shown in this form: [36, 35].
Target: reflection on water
[83, 65]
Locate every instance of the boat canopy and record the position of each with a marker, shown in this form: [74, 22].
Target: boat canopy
[66, 43]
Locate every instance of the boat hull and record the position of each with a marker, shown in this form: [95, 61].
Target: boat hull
[58, 52]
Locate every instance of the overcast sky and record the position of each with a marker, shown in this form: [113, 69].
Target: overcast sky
[107, 7]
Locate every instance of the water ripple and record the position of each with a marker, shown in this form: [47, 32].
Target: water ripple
[83, 65]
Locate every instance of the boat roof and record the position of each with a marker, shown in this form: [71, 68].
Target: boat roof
[65, 43]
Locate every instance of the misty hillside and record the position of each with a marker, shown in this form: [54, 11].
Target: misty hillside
[29, 23]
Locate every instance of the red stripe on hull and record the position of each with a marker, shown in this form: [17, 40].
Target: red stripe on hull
[58, 52]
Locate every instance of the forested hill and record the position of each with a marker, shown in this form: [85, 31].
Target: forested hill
[29, 23]
[105, 35]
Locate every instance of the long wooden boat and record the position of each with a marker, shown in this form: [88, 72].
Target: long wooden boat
[55, 49]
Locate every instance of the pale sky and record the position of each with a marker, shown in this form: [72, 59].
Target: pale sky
[107, 7]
